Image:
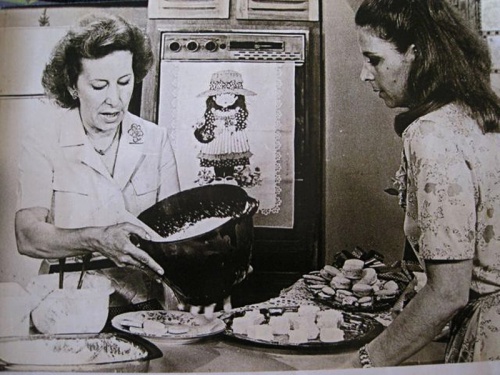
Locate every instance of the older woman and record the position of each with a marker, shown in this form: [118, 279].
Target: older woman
[421, 56]
[85, 178]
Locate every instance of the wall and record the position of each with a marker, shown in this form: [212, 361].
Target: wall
[362, 151]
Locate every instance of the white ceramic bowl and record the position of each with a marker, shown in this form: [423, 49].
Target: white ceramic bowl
[70, 310]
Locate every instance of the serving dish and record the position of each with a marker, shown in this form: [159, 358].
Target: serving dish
[104, 352]
[168, 326]
[357, 329]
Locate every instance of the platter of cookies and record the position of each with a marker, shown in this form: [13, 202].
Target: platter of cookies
[305, 326]
[168, 326]
[354, 287]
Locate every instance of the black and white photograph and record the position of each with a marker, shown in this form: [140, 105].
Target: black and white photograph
[250, 186]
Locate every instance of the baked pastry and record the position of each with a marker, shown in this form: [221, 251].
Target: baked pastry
[334, 271]
[329, 334]
[309, 311]
[280, 325]
[325, 275]
[329, 291]
[384, 294]
[178, 329]
[368, 276]
[340, 282]
[255, 316]
[362, 290]
[329, 318]
[391, 285]
[342, 294]
[154, 327]
[350, 300]
[298, 336]
[365, 301]
[240, 325]
[314, 279]
[353, 269]
[312, 331]
[260, 332]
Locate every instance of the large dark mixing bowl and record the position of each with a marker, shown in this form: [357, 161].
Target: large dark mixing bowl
[203, 269]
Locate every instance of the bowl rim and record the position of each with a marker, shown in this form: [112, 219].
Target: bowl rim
[250, 208]
[152, 351]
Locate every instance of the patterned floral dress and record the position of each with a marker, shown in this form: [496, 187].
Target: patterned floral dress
[450, 175]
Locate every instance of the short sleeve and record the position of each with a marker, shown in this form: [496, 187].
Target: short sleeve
[443, 186]
[169, 178]
[35, 171]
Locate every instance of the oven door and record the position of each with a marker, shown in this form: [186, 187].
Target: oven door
[237, 107]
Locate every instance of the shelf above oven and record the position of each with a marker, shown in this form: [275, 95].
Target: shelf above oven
[178, 9]
[297, 10]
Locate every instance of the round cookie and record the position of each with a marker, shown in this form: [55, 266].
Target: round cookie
[368, 276]
[365, 301]
[384, 294]
[334, 271]
[362, 290]
[340, 282]
[353, 269]
[328, 290]
[391, 285]
[325, 275]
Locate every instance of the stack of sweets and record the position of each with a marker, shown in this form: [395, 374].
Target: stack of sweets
[307, 324]
[355, 283]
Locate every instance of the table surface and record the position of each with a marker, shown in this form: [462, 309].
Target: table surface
[226, 354]
[222, 353]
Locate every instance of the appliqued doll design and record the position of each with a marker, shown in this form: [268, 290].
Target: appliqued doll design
[225, 151]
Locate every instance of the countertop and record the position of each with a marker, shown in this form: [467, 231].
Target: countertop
[225, 354]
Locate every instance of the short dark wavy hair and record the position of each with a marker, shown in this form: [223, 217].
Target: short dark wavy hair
[95, 36]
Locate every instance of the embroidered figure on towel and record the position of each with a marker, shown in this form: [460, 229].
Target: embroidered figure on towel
[225, 149]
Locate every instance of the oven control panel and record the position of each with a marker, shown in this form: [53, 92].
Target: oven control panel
[233, 46]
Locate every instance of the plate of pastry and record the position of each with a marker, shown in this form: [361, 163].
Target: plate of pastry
[354, 287]
[168, 326]
[305, 326]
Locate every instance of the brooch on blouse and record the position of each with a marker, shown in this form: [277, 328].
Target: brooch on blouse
[136, 133]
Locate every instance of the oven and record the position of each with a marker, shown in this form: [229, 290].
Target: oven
[242, 103]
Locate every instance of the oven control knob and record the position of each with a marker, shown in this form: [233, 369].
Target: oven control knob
[211, 46]
[193, 46]
[175, 46]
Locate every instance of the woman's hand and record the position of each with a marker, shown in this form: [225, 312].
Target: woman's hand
[445, 293]
[39, 239]
[114, 243]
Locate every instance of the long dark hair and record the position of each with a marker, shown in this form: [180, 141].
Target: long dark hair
[95, 36]
[452, 62]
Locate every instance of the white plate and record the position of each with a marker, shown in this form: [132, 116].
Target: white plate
[168, 326]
